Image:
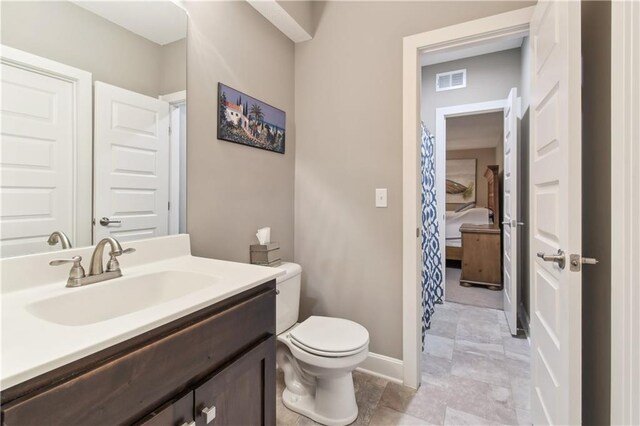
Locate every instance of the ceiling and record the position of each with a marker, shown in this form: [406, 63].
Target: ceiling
[162, 22]
[468, 51]
[474, 131]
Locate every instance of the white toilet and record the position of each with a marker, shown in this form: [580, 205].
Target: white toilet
[317, 357]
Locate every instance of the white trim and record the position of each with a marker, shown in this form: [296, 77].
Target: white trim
[442, 114]
[281, 19]
[625, 203]
[382, 366]
[175, 98]
[82, 134]
[505, 25]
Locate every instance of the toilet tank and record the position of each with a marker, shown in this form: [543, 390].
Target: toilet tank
[288, 297]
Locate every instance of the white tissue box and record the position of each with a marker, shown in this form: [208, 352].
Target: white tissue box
[265, 254]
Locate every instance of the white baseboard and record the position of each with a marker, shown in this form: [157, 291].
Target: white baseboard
[383, 366]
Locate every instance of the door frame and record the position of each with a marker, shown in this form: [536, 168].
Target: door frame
[175, 100]
[502, 26]
[625, 196]
[82, 132]
[442, 114]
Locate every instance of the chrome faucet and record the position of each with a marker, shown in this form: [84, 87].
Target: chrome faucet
[59, 237]
[97, 273]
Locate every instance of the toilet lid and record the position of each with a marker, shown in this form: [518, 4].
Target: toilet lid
[330, 336]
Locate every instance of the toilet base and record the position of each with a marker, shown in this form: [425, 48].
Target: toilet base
[306, 405]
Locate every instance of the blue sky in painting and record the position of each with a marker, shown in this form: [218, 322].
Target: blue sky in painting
[271, 115]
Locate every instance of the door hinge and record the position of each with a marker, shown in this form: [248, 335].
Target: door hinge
[169, 205]
[169, 130]
[576, 261]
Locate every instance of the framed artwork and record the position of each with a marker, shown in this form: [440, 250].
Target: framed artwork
[245, 120]
[461, 181]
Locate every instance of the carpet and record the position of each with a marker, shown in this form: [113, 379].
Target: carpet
[476, 295]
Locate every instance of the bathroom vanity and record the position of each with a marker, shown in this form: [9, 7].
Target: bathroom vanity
[205, 356]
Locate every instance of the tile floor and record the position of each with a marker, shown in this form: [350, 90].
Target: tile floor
[474, 373]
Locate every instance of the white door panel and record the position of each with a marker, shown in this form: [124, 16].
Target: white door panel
[131, 164]
[555, 199]
[510, 220]
[36, 160]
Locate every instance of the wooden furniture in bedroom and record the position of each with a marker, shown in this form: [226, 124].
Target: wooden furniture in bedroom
[493, 193]
[481, 256]
[453, 253]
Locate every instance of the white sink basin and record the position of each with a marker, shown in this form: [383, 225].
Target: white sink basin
[110, 299]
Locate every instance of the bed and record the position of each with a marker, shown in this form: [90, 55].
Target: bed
[474, 215]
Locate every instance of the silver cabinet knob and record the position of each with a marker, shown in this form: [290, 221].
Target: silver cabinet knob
[105, 221]
[558, 258]
[209, 413]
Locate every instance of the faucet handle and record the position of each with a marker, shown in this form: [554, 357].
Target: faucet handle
[112, 264]
[76, 272]
[75, 260]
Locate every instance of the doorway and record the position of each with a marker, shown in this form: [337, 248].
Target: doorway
[555, 195]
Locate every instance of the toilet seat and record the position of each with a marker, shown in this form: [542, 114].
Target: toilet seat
[330, 337]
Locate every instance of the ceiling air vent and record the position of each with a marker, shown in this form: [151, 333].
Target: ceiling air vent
[451, 80]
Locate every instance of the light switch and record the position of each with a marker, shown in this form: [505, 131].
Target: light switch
[381, 197]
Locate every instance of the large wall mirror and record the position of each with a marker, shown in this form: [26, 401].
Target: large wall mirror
[93, 120]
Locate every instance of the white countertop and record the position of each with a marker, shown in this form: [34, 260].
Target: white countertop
[32, 346]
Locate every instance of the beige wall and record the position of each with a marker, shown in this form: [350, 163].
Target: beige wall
[303, 13]
[349, 142]
[484, 157]
[232, 189]
[489, 77]
[173, 67]
[66, 33]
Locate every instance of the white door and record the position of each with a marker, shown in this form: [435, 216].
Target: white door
[555, 212]
[36, 160]
[510, 220]
[131, 164]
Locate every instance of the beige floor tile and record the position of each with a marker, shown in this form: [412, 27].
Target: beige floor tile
[492, 350]
[481, 399]
[521, 391]
[369, 390]
[384, 416]
[443, 328]
[518, 366]
[480, 367]
[524, 417]
[516, 345]
[438, 346]
[435, 369]
[427, 403]
[479, 331]
[460, 418]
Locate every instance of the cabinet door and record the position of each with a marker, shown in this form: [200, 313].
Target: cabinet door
[177, 413]
[242, 393]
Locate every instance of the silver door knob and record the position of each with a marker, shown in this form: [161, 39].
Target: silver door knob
[558, 258]
[105, 221]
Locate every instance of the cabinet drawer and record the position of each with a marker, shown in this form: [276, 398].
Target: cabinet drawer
[132, 385]
[242, 393]
[176, 413]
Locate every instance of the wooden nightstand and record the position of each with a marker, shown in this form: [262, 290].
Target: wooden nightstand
[481, 256]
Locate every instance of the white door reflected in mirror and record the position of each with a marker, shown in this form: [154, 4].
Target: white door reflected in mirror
[49, 157]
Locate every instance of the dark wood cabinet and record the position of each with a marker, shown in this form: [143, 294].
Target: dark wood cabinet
[157, 378]
[238, 392]
[176, 413]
